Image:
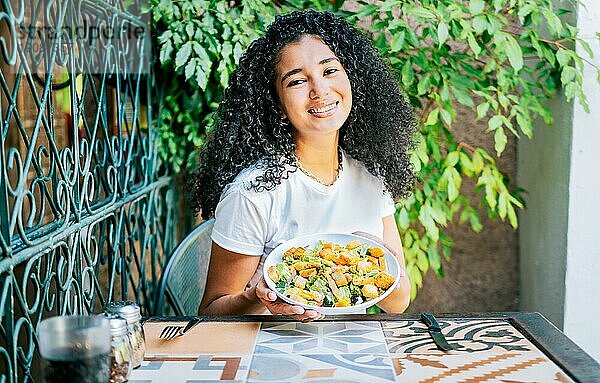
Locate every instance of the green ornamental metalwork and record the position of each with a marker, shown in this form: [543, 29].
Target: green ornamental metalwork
[85, 212]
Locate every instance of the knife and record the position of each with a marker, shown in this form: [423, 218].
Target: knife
[191, 324]
[435, 331]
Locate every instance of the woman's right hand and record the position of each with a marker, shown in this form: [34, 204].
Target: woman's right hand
[278, 307]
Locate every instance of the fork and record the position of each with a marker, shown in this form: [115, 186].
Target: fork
[173, 331]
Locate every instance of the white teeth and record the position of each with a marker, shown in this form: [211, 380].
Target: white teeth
[323, 109]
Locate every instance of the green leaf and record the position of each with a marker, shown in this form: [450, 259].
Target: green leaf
[190, 68]
[415, 162]
[403, 219]
[473, 44]
[424, 84]
[452, 189]
[205, 61]
[570, 90]
[482, 109]
[554, 24]
[434, 257]
[422, 261]
[525, 124]
[237, 52]
[421, 151]
[502, 205]
[500, 141]
[183, 54]
[480, 24]
[415, 278]
[165, 51]
[512, 216]
[567, 75]
[408, 74]
[189, 29]
[446, 117]
[442, 33]
[397, 41]
[477, 162]
[420, 12]
[426, 219]
[495, 122]
[432, 118]
[445, 92]
[563, 57]
[201, 79]
[463, 97]
[451, 159]
[514, 53]
[586, 47]
[465, 163]
[476, 6]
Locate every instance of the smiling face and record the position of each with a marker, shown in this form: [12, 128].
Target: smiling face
[313, 88]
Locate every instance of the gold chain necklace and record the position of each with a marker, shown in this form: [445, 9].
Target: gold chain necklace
[314, 177]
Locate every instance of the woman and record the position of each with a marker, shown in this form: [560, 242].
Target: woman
[311, 136]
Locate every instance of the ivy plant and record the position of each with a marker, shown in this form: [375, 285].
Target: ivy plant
[500, 58]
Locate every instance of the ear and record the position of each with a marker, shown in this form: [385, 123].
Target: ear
[282, 113]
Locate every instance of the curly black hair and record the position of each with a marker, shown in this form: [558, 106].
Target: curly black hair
[248, 127]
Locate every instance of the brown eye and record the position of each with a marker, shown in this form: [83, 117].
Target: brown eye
[295, 82]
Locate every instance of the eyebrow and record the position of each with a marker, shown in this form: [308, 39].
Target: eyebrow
[298, 70]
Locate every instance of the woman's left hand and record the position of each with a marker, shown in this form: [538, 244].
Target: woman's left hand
[278, 307]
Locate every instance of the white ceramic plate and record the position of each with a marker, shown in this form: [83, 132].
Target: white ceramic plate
[310, 241]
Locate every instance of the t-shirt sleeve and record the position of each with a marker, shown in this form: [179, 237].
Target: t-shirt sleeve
[240, 225]
[389, 207]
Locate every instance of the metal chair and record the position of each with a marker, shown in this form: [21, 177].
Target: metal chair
[183, 280]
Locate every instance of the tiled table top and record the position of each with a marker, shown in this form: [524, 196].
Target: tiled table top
[487, 350]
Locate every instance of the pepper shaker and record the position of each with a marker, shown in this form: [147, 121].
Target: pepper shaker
[129, 311]
[121, 353]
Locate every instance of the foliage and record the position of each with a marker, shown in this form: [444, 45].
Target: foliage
[488, 56]
[200, 43]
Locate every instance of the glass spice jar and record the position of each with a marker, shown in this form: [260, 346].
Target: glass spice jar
[129, 311]
[121, 353]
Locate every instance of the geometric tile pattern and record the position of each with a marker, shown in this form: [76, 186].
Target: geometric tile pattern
[321, 338]
[321, 367]
[476, 367]
[411, 336]
[192, 369]
[345, 352]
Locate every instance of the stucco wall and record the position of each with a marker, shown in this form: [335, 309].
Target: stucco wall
[543, 170]
[582, 289]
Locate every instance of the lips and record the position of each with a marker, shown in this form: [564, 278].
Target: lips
[324, 109]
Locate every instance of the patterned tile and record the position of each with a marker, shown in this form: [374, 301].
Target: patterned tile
[236, 338]
[467, 336]
[191, 369]
[322, 368]
[344, 352]
[508, 367]
[321, 338]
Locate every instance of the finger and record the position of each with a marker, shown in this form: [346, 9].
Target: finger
[280, 307]
[309, 316]
[263, 292]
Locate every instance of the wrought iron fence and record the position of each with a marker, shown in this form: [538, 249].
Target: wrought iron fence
[86, 215]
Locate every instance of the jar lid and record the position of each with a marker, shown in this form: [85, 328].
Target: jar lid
[118, 325]
[128, 310]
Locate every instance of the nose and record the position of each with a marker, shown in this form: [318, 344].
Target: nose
[319, 89]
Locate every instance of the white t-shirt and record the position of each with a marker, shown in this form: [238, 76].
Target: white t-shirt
[254, 223]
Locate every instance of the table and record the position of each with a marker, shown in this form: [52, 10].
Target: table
[491, 347]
